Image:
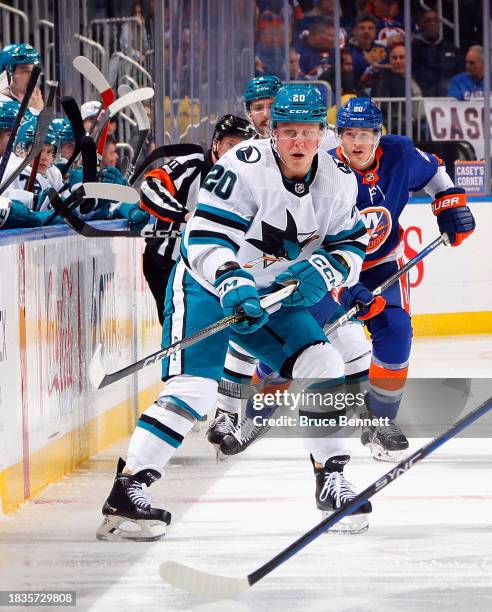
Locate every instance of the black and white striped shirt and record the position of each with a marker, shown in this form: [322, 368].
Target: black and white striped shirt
[170, 192]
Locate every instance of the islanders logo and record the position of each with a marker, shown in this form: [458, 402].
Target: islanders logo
[377, 220]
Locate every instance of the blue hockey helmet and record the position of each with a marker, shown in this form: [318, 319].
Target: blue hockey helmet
[359, 112]
[8, 113]
[27, 132]
[261, 87]
[298, 104]
[18, 53]
[63, 129]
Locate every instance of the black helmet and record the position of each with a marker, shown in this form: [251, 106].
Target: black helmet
[232, 125]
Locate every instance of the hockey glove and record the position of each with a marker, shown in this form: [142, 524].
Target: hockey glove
[453, 215]
[316, 276]
[111, 175]
[75, 178]
[137, 218]
[237, 291]
[369, 304]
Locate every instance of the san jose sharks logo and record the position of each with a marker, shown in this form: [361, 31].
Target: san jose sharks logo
[279, 244]
[378, 222]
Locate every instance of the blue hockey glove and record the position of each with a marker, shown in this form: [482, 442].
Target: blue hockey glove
[137, 218]
[75, 177]
[111, 175]
[237, 291]
[316, 276]
[369, 304]
[454, 218]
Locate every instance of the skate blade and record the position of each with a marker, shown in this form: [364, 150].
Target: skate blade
[118, 528]
[219, 455]
[349, 525]
[380, 454]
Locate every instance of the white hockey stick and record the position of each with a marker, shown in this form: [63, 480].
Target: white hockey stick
[4, 81]
[143, 123]
[137, 95]
[111, 191]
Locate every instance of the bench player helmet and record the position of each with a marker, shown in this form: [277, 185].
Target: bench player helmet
[8, 113]
[63, 129]
[18, 53]
[298, 104]
[27, 132]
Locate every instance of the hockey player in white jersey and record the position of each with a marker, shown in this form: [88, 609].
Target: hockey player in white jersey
[268, 213]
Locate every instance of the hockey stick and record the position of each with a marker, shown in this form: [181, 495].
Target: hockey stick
[45, 117]
[389, 281]
[92, 73]
[143, 123]
[136, 95]
[89, 231]
[4, 81]
[72, 111]
[173, 150]
[204, 584]
[76, 198]
[100, 379]
[33, 79]
[52, 87]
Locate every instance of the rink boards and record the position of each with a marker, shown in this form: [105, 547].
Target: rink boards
[64, 294]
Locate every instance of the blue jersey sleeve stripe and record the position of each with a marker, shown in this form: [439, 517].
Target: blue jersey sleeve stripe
[224, 214]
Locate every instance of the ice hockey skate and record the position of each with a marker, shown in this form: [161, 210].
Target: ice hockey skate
[386, 442]
[128, 512]
[223, 424]
[333, 491]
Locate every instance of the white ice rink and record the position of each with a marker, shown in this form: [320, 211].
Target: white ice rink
[429, 545]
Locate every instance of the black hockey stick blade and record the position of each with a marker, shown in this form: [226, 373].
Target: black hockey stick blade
[45, 117]
[100, 379]
[89, 168]
[89, 231]
[72, 111]
[173, 150]
[33, 79]
[213, 586]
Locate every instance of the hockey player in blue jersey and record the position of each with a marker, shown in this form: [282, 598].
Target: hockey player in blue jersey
[267, 213]
[387, 169]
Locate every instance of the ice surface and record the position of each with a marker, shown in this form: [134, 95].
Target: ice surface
[429, 546]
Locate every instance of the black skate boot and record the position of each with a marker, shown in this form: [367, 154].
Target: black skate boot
[333, 491]
[386, 442]
[243, 435]
[223, 423]
[130, 504]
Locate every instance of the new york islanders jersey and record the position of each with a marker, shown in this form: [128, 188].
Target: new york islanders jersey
[249, 213]
[383, 192]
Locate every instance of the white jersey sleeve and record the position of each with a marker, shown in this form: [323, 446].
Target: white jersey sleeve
[222, 216]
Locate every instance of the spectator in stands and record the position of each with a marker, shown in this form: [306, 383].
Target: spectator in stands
[367, 56]
[270, 57]
[392, 81]
[349, 85]
[434, 60]
[392, 85]
[295, 72]
[324, 9]
[316, 46]
[469, 84]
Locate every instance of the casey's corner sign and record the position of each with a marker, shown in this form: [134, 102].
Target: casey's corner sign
[455, 120]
